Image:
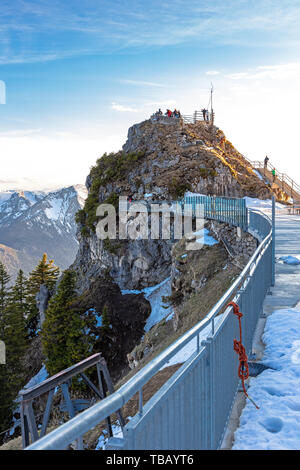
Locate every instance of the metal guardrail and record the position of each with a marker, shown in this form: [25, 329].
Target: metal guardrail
[230, 210]
[192, 408]
[282, 177]
[196, 116]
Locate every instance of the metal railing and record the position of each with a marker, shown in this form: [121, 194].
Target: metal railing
[196, 116]
[191, 410]
[230, 210]
[284, 179]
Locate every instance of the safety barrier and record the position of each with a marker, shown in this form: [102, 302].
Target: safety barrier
[191, 410]
[230, 210]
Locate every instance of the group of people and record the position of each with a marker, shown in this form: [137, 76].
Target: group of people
[266, 160]
[168, 113]
[205, 114]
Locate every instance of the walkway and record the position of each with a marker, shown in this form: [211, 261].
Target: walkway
[285, 294]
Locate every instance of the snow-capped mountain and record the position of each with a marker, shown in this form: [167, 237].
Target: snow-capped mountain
[33, 223]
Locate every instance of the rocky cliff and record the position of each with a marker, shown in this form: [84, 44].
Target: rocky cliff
[160, 161]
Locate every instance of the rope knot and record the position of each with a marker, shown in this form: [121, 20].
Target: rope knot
[243, 370]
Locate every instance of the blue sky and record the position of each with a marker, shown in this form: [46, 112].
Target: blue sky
[79, 73]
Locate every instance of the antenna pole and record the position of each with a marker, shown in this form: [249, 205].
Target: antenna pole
[211, 103]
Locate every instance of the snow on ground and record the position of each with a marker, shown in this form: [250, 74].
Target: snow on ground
[205, 239]
[262, 204]
[290, 259]
[38, 378]
[276, 425]
[258, 174]
[117, 432]
[154, 294]
[190, 194]
[54, 211]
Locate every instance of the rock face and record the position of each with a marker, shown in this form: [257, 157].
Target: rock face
[160, 161]
[167, 158]
[42, 299]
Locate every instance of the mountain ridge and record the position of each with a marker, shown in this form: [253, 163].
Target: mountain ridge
[34, 222]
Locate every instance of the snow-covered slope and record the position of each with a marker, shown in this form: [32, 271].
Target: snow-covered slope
[276, 425]
[32, 223]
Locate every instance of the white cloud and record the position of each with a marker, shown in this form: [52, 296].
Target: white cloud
[271, 72]
[44, 161]
[213, 72]
[144, 83]
[121, 108]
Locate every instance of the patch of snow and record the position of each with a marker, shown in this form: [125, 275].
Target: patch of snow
[258, 175]
[54, 211]
[103, 439]
[205, 239]
[190, 194]
[276, 425]
[154, 294]
[256, 203]
[290, 259]
[38, 378]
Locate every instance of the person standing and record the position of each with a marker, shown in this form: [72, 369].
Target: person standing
[274, 175]
[266, 162]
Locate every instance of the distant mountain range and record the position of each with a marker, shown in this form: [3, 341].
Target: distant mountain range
[33, 223]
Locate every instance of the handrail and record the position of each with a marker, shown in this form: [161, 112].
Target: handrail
[68, 432]
[281, 176]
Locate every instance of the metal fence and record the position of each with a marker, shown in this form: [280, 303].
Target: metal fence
[230, 210]
[191, 410]
[197, 116]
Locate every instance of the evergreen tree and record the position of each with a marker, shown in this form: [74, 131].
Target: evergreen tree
[14, 336]
[15, 333]
[45, 273]
[64, 338]
[105, 319]
[4, 295]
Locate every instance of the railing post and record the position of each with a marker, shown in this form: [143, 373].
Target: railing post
[209, 383]
[273, 241]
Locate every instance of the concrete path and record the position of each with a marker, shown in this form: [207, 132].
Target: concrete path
[285, 294]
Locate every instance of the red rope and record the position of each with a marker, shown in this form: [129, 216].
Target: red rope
[243, 370]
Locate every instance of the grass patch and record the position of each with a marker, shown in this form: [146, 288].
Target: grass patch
[109, 168]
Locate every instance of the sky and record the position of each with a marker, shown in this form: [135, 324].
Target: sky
[75, 75]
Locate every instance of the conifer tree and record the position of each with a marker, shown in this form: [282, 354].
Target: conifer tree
[14, 335]
[63, 335]
[4, 295]
[45, 273]
[105, 319]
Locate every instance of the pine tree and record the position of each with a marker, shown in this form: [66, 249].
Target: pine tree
[15, 333]
[45, 273]
[63, 335]
[4, 295]
[105, 319]
[14, 336]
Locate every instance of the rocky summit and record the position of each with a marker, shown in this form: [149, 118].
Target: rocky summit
[161, 160]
